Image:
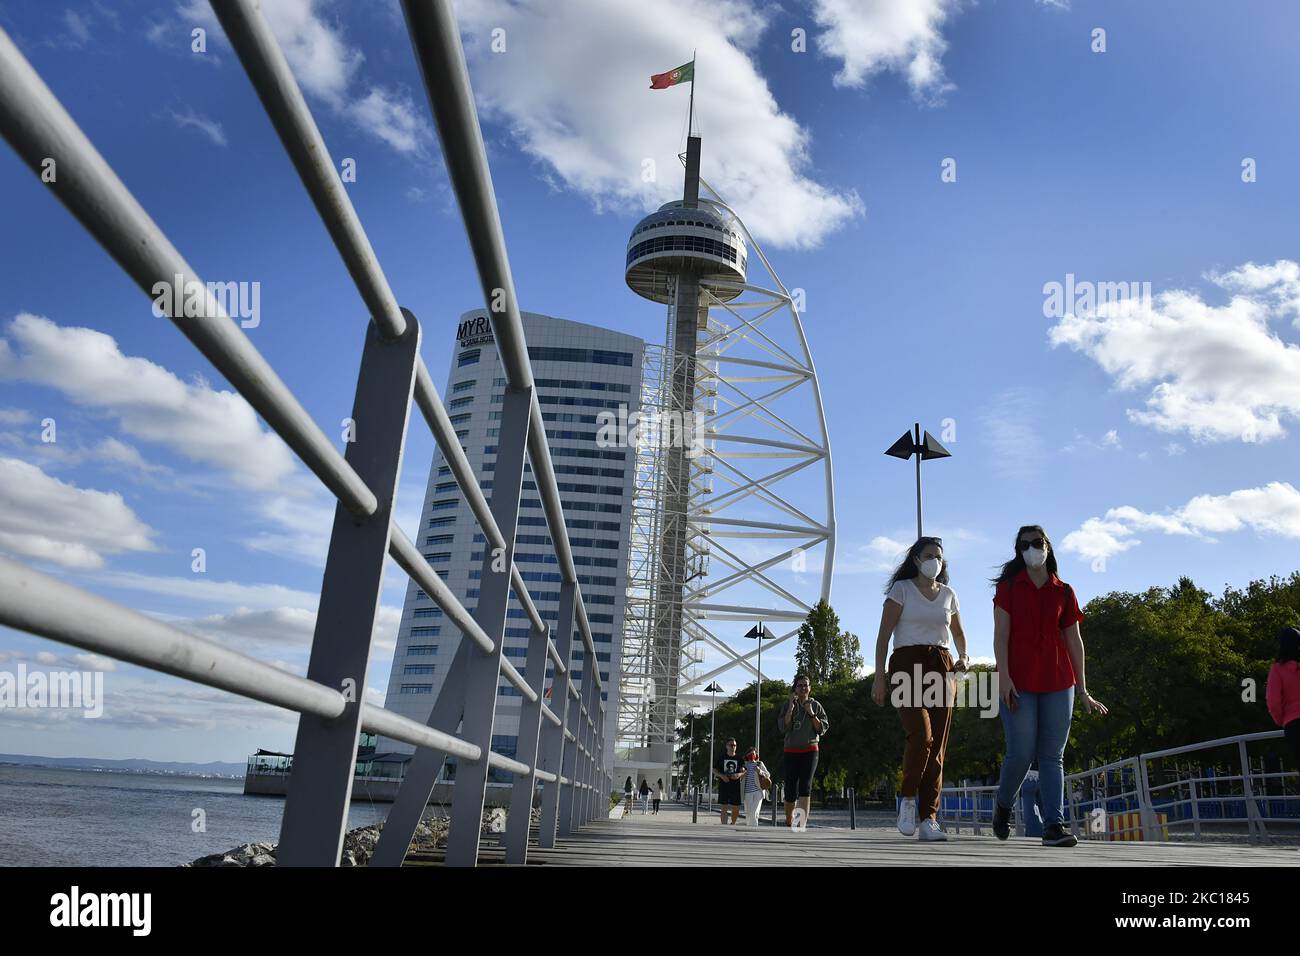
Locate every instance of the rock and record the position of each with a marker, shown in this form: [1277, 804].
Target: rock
[359, 844]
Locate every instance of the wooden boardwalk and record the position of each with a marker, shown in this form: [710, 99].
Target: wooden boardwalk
[670, 839]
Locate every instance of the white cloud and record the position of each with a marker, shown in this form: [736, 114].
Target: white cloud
[207, 426]
[302, 524]
[870, 36]
[1009, 425]
[328, 67]
[596, 136]
[208, 127]
[391, 117]
[879, 555]
[15, 416]
[201, 590]
[1217, 373]
[109, 453]
[1279, 282]
[50, 520]
[78, 28]
[1273, 509]
[286, 628]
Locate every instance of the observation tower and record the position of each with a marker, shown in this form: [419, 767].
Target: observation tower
[732, 445]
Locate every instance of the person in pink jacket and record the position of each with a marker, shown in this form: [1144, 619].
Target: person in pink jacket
[1283, 693]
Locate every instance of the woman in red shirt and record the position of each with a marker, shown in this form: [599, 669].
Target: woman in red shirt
[1039, 654]
[1283, 690]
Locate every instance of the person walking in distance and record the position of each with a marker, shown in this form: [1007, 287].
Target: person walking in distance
[803, 720]
[757, 780]
[627, 795]
[921, 612]
[729, 768]
[1283, 690]
[645, 797]
[659, 794]
[1040, 669]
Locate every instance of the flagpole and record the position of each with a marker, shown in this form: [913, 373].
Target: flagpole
[690, 122]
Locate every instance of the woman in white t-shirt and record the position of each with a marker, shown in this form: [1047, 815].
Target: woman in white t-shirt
[921, 613]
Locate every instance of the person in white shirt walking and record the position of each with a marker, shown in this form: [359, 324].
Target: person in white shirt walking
[757, 779]
[921, 612]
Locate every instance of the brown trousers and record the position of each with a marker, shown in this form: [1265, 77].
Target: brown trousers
[926, 727]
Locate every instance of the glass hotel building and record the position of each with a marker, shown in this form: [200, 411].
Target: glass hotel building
[580, 371]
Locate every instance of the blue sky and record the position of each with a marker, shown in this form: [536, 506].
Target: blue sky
[1152, 439]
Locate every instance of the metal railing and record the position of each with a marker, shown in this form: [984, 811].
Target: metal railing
[1187, 794]
[561, 742]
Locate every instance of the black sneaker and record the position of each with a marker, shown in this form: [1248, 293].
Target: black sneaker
[1001, 821]
[1057, 835]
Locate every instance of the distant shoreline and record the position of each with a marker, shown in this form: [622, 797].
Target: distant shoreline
[214, 769]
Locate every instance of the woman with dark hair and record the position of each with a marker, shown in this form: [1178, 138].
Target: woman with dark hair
[1040, 669]
[921, 612]
[1283, 692]
[803, 721]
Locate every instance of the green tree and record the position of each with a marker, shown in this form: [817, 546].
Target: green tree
[825, 653]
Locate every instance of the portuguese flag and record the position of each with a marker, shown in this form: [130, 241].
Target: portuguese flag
[683, 74]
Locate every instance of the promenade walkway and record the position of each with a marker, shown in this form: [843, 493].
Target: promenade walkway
[670, 839]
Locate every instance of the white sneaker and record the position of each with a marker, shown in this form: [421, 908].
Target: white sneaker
[931, 831]
[907, 816]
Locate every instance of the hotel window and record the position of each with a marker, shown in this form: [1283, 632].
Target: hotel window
[468, 358]
[422, 650]
[417, 689]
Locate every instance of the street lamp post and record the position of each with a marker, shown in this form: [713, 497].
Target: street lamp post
[759, 633]
[715, 690]
[690, 756]
[925, 449]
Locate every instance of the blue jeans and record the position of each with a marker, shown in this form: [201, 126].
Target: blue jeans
[1039, 728]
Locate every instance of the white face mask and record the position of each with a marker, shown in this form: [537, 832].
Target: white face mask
[931, 568]
[1035, 557]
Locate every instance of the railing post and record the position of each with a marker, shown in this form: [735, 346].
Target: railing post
[426, 763]
[589, 692]
[572, 758]
[556, 752]
[325, 751]
[853, 809]
[1145, 813]
[1196, 807]
[520, 816]
[1254, 825]
[483, 671]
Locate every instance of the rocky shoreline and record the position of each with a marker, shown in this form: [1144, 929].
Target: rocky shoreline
[359, 844]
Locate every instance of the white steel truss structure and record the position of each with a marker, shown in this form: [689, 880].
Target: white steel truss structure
[761, 507]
